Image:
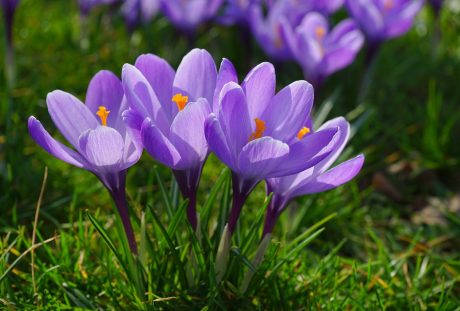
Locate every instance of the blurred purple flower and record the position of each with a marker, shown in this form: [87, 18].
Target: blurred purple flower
[167, 111]
[384, 19]
[237, 12]
[325, 7]
[188, 15]
[321, 52]
[9, 8]
[255, 132]
[316, 179]
[98, 135]
[87, 5]
[137, 12]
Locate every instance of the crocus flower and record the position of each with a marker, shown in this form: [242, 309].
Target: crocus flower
[87, 5]
[260, 135]
[319, 178]
[325, 7]
[189, 15]
[101, 143]
[237, 12]
[321, 52]
[167, 111]
[136, 12]
[384, 19]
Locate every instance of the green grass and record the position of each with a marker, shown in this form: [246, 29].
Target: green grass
[378, 248]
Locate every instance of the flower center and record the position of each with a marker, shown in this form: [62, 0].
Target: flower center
[103, 113]
[180, 101]
[320, 32]
[259, 131]
[304, 131]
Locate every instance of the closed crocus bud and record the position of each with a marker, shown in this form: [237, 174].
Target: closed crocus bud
[167, 113]
[321, 51]
[99, 138]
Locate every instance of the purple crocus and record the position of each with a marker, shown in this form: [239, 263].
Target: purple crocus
[318, 178]
[237, 12]
[137, 12]
[167, 111]
[256, 132]
[100, 140]
[189, 15]
[325, 7]
[259, 134]
[321, 52]
[384, 19]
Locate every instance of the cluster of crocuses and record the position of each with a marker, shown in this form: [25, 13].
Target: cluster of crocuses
[179, 117]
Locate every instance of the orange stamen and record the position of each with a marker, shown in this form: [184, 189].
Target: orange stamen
[320, 32]
[304, 131]
[259, 131]
[103, 113]
[180, 101]
[388, 4]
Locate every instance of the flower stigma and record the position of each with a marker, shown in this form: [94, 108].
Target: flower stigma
[259, 131]
[103, 113]
[304, 131]
[180, 101]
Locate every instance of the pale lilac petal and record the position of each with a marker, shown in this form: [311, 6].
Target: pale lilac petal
[160, 75]
[259, 87]
[234, 117]
[218, 142]
[333, 178]
[103, 148]
[70, 116]
[227, 73]
[196, 76]
[187, 133]
[142, 99]
[259, 158]
[52, 146]
[288, 111]
[367, 14]
[158, 145]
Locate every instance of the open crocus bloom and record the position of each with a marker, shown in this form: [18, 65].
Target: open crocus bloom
[384, 19]
[237, 12]
[188, 15]
[259, 134]
[137, 12]
[322, 52]
[167, 111]
[98, 135]
[325, 7]
[317, 178]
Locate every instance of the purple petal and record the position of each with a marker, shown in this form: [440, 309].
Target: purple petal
[52, 146]
[227, 73]
[160, 75]
[333, 178]
[288, 110]
[187, 133]
[259, 87]
[70, 116]
[196, 76]
[234, 117]
[158, 145]
[105, 89]
[367, 14]
[218, 142]
[142, 99]
[260, 157]
[103, 148]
